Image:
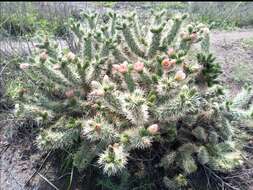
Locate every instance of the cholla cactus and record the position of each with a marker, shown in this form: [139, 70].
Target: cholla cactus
[113, 159]
[129, 87]
[241, 106]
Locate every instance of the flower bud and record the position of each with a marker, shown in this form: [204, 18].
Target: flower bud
[97, 128]
[180, 75]
[196, 68]
[115, 146]
[183, 35]
[146, 141]
[171, 51]
[24, 66]
[193, 37]
[56, 66]
[43, 56]
[178, 17]
[106, 79]
[153, 129]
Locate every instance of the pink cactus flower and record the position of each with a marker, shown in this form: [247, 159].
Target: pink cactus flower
[180, 75]
[166, 64]
[106, 79]
[138, 66]
[123, 68]
[171, 51]
[153, 129]
[70, 93]
[193, 37]
[24, 66]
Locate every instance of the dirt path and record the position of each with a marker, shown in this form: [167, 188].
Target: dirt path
[236, 59]
[219, 36]
[19, 160]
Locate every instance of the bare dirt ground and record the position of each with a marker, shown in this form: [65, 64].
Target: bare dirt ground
[236, 59]
[20, 158]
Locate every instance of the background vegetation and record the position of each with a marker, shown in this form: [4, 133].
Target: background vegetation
[24, 19]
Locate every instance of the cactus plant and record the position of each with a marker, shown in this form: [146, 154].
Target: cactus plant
[125, 90]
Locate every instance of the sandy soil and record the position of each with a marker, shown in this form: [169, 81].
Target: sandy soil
[231, 53]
